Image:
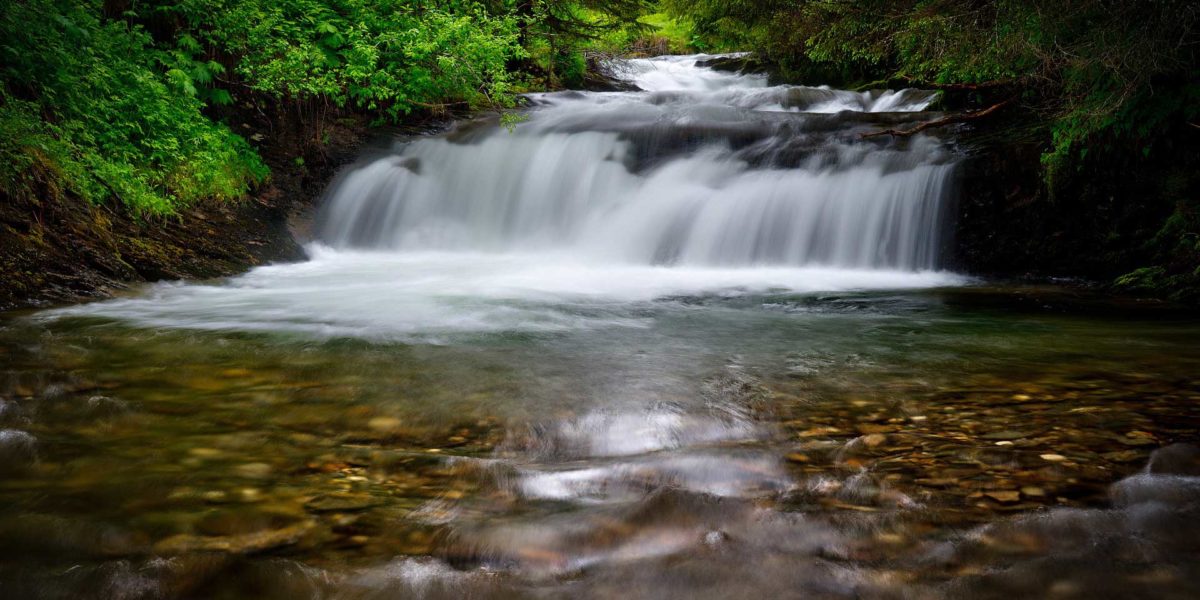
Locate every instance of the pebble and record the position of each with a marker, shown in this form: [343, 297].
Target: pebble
[256, 470]
[1053, 457]
[1004, 496]
[798, 457]
[341, 502]
[874, 440]
[384, 424]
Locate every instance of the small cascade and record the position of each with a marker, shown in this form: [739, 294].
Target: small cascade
[700, 168]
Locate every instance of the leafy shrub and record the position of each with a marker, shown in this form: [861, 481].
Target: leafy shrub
[87, 100]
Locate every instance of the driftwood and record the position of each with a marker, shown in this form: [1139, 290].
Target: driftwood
[950, 120]
[970, 87]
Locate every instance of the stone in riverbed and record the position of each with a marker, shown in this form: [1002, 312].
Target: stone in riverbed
[1004, 496]
[1006, 435]
[237, 544]
[1033, 491]
[18, 450]
[1176, 459]
[874, 440]
[255, 470]
[384, 424]
[342, 502]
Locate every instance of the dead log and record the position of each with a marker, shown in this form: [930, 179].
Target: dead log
[950, 120]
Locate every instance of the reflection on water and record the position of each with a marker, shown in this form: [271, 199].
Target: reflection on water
[945, 443]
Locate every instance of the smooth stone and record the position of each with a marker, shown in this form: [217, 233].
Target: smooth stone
[238, 544]
[874, 440]
[1053, 457]
[1176, 459]
[341, 502]
[18, 450]
[255, 470]
[1124, 456]
[384, 424]
[1006, 435]
[1004, 496]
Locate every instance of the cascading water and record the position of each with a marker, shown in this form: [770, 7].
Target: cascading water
[700, 169]
[700, 183]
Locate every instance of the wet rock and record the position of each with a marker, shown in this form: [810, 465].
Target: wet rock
[1170, 490]
[1176, 459]
[240, 521]
[255, 470]
[18, 451]
[248, 543]
[342, 502]
[385, 424]
[10, 413]
[103, 407]
[1004, 496]
[874, 440]
[1053, 457]
[1007, 435]
[1033, 491]
[1124, 456]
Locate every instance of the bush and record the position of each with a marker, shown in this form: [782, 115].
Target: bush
[86, 100]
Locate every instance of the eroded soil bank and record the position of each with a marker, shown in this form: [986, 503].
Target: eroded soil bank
[57, 248]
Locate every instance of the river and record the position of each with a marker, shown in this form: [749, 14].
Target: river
[699, 340]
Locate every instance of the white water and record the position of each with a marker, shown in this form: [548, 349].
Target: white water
[704, 183]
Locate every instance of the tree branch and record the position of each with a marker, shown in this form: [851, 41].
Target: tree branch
[959, 118]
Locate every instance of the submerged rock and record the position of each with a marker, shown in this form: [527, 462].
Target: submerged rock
[18, 451]
[1176, 459]
[257, 541]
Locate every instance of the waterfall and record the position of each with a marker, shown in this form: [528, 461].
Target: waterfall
[699, 168]
[599, 207]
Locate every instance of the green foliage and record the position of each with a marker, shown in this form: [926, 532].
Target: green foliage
[86, 104]
[380, 55]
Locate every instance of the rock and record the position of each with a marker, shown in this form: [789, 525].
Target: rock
[341, 502]
[385, 424]
[874, 440]
[869, 428]
[1137, 441]
[18, 450]
[1176, 459]
[1004, 496]
[1124, 456]
[1007, 435]
[1053, 457]
[798, 457]
[258, 541]
[1033, 491]
[103, 407]
[255, 470]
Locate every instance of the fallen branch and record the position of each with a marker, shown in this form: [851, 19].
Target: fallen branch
[986, 85]
[959, 118]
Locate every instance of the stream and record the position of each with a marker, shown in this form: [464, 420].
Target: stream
[698, 340]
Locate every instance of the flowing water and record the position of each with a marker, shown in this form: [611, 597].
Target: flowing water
[697, 340]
